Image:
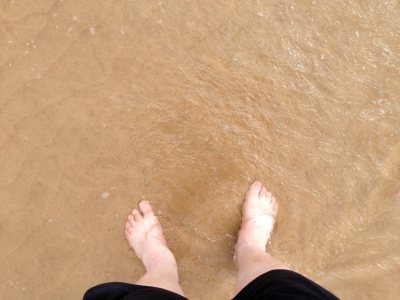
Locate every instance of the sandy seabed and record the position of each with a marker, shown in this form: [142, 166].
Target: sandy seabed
[187, 102]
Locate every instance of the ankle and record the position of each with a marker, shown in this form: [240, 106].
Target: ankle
[251, 245]
[253, 231]
[248, 253]
[161, 263]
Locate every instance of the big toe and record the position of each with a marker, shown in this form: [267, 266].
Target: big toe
[254, 191]
[145, 208]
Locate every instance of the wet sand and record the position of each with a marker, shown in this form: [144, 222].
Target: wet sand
[187, 102]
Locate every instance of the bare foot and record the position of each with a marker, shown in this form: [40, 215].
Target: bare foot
[259, 212]
[144, 234]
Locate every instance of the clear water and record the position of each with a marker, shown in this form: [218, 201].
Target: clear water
[187, 102]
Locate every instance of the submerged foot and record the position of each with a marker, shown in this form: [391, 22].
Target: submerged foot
[144, 234]
[259, 212]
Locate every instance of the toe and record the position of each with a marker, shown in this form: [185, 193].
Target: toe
[145, 207]
[136, 215]
[263, 192]
[275, 206]
[268, 195]
[128, 229]
[257, 183]
[254, 190]
[131, 220]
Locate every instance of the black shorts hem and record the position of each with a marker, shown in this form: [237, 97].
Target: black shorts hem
[128, 291]
[283, 285]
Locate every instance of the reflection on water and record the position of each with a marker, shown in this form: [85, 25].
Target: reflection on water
[187, 103]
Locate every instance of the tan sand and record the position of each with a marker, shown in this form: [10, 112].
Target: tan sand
[187, 102]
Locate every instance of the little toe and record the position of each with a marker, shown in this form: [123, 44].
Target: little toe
[145, 208]
[128, 230]
[136, 215]
[274, 206]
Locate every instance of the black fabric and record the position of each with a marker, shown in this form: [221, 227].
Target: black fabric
[283, 285]
[272, 285]
[127, 291]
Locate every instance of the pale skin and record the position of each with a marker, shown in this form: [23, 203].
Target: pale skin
[144, 234]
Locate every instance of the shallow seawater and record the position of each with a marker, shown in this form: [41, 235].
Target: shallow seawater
[186, 103]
